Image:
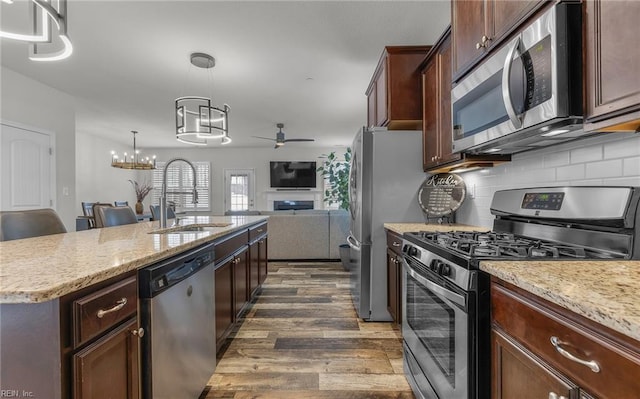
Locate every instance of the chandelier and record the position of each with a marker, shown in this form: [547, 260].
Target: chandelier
[133, 161]
[196, 119]
[44, 15]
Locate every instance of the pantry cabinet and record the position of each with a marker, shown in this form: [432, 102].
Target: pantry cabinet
[612, 59]
[542, 350]
[393, 96]
[480, 25]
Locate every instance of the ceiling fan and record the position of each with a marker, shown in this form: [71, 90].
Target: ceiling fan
[280, 140]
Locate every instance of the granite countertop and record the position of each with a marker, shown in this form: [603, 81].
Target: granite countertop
[43, 268]
[604, 291]
[402, 228]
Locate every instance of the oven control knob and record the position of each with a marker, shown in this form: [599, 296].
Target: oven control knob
[405, 248]
[413, 251]
[434, 265]
[445, 270]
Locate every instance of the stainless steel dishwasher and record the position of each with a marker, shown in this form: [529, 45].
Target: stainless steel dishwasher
[177, 313]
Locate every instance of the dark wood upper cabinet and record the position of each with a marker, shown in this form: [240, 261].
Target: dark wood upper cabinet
[612, 62]
[393, 96]
[437, 141]
[481, 25]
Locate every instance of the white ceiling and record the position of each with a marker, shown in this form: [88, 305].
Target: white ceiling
[306, 64]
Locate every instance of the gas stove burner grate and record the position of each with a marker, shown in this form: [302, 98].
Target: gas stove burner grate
[500, 245]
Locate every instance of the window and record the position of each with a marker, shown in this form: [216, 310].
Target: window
[180, 178]
[239, 189]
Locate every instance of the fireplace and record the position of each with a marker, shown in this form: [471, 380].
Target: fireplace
[286, 205]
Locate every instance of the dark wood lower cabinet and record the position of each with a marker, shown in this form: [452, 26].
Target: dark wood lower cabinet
[224, 301]
[241, 281]
[254, 267]
[262, 258]
[394, 285]
[519, 374]
[109, 367]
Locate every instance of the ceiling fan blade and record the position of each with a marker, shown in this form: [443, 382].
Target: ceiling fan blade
[287, 140]
[264, 138]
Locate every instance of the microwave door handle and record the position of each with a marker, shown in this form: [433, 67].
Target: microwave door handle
[506, 89]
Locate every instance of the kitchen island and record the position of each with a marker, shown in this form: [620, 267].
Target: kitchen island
[49, 286]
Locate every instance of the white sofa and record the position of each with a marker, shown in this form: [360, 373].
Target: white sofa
[306, 234]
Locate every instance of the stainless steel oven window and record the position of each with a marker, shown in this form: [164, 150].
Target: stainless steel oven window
[433, 321]
[435, 327]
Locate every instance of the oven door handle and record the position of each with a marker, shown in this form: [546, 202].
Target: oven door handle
[435, 288]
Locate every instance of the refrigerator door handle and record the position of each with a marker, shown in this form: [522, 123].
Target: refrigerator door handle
[353, 243]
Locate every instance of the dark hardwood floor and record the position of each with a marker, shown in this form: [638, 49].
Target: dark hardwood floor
[301, 339]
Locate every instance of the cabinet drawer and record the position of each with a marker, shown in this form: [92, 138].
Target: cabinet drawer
[534, 325]
[257, 231]
[95, 313]
[230, 244]
[394, 242]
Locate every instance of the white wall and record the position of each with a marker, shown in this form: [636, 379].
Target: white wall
[242, 158]
[609, 159]
[96, 180]
[28, 102]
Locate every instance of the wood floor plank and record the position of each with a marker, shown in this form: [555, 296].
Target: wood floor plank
[366, 382]
[301, 339]
[335, 343]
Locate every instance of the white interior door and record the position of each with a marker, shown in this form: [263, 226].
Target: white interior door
[239, 189]
[27, 169]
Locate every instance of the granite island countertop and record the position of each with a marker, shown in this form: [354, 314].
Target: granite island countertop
[43, 268]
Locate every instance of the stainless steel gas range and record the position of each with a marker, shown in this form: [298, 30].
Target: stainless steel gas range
[446, 320]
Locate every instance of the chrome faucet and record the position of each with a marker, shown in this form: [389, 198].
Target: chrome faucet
[163, 196]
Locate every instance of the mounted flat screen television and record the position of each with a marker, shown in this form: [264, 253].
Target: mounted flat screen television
[293, 174]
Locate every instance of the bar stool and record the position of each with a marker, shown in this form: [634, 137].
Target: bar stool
[115, 216]
[15, 225]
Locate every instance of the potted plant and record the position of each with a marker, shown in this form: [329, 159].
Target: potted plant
[142, 190]
[336, 173]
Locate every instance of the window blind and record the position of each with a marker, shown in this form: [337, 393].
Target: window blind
[180, 178]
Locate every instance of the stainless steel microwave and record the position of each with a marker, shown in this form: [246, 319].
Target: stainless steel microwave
[526, 95]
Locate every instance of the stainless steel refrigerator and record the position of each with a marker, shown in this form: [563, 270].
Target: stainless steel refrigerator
[385, 177]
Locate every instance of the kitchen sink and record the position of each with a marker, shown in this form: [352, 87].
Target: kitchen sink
[190, 228]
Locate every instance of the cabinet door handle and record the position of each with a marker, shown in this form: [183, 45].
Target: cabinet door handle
[259, 230]
[396, 244]
[119, 305]
[589, 363]
[139, 332]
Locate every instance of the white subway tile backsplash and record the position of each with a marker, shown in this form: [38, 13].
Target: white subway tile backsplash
[571, 172]
[586, 154]
[622, 181]
[612, 168]
[631, 167]
[623, 148]
[607, 159]
[556, 159]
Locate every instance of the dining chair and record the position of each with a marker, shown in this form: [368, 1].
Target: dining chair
[97, 216]
[155, 212]
[116, 216]
[121, 203]
[34, 223]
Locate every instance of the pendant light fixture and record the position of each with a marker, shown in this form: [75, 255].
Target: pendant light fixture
[197, 121]
[45, 15]
[133, 161]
